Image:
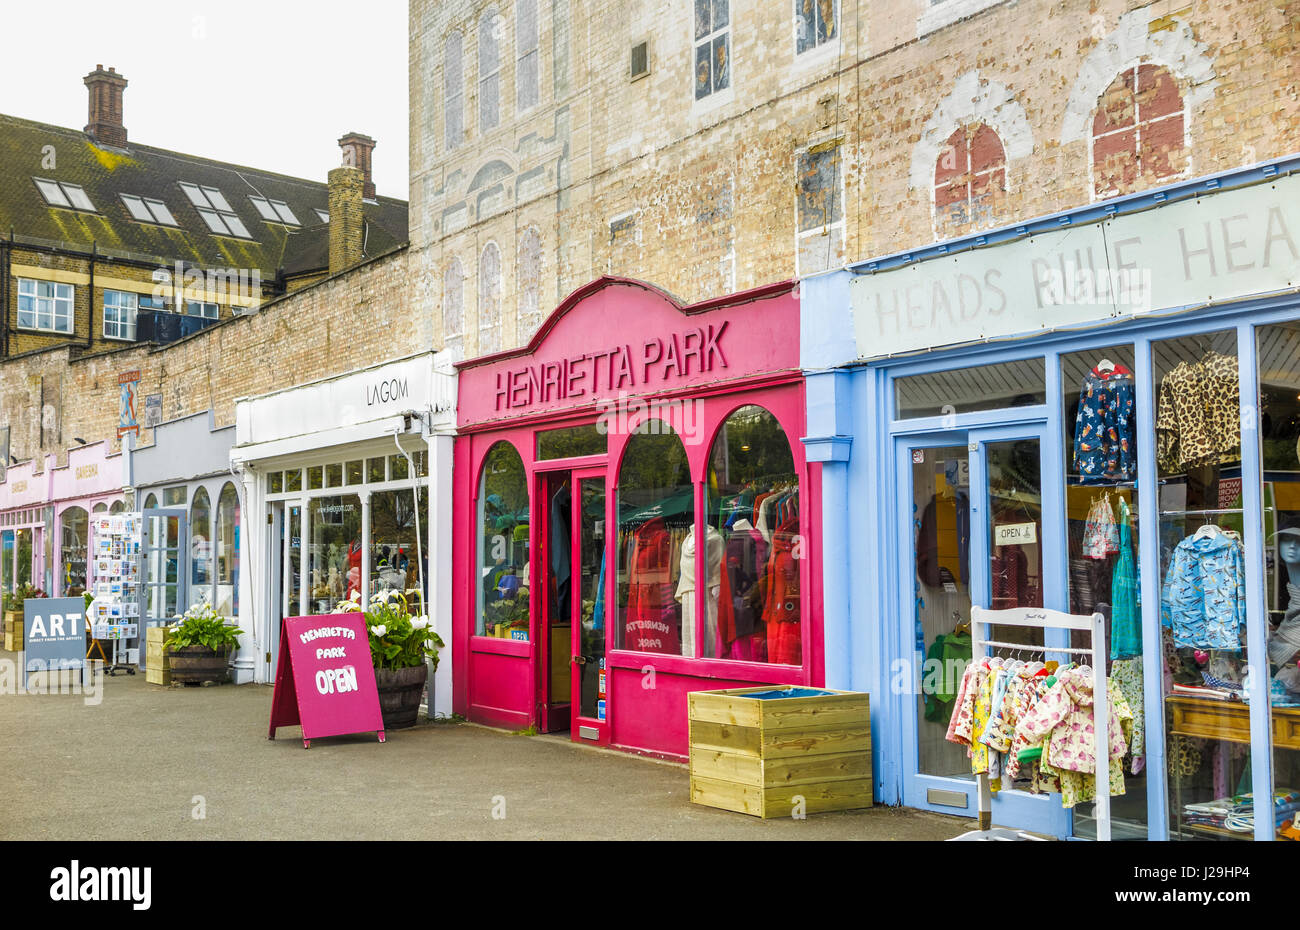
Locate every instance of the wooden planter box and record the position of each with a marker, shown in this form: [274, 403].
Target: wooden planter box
[758, 756]
[195, 665]
[13, 634]
[157, 664]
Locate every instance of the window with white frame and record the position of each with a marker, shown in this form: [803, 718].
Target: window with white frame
[712, 47]
[489, 71]
[453, 90]
[148, 210]
[45, 305]
[274, 211]
[203, 309]
[215, 210]
[528, 66]
[816, 22]
[59, 194]
[120, 308]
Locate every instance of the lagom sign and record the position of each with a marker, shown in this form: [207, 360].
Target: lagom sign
[1211, 249]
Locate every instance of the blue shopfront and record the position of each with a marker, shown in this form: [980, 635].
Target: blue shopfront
[1095, 412]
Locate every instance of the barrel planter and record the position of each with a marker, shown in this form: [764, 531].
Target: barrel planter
[400, 691]
[198, 664]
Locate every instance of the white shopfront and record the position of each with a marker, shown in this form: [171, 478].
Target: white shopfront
[348, 487]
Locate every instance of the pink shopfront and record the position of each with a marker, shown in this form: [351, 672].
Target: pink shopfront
[589, 465]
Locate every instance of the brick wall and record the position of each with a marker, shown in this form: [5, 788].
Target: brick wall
[352, 320]
[702, 197]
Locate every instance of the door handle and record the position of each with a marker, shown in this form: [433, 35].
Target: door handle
[579, 660]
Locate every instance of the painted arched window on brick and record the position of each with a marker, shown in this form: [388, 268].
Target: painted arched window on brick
[529, 276]
[453, 89]
[453, 304]
[528, 79]
[489, 300]
[1138, 131]
[970, 179]
[489, 71]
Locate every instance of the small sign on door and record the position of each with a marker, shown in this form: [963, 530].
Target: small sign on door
[918, 456]
[1015, 534]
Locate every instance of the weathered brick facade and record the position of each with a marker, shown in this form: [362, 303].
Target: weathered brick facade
[350, 320]
[865, 143]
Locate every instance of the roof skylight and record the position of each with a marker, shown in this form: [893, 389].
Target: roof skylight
[59, 194]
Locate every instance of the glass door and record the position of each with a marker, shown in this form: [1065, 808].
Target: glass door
[972, 517]
[589, 675]
[555, 670]
[164, 559]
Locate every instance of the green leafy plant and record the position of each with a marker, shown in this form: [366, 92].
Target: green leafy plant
[203, 626]
[512, 611]
[400, 636]
[15, 600]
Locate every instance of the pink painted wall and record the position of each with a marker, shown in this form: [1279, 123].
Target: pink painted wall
[617, 337]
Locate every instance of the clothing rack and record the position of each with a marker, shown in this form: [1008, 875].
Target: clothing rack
[1179, 513]
[1041, 619]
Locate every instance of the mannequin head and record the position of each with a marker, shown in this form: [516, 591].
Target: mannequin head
[1287, 540]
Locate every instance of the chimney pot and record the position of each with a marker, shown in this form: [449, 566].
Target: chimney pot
[357, 150]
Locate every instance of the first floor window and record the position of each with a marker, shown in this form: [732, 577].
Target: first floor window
[198, 308]
[712, 47]
[119, 315]
[45, 305]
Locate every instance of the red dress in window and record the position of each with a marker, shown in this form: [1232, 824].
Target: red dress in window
[650, 624]
[781, 610]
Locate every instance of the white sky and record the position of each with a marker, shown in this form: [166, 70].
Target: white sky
[270, 84]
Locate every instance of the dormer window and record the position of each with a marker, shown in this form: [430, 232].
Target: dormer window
[69, 196]
[274, 211]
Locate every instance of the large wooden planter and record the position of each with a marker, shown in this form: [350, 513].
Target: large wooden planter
[157, 664]
[400, 691]
[198, 664]
[780, 756]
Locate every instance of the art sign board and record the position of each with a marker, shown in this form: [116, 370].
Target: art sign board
[325, 680]
[54, 630]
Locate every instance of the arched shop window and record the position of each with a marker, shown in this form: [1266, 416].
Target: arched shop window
[117, 507]
[753, 550]
[227, 552]
[656, 518]
[100, 508]
[200, 548]
[151, 502]
[74, 550]
[503, 545]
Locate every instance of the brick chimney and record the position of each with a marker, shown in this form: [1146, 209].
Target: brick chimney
[347, 217]
[357, 150]
[105, 124]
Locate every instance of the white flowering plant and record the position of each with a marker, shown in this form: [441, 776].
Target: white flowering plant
[203, 626]
[400, 635]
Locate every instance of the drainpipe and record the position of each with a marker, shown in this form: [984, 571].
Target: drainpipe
[4, 295]
[90, 324]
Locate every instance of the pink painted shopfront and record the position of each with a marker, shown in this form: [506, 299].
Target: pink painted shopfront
[589, 466]
[24, 496]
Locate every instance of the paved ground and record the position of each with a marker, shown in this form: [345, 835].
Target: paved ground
[141, 763]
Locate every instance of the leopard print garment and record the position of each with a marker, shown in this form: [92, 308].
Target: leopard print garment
[1198, 420]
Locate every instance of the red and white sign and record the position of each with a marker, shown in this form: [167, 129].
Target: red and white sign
[325, 679]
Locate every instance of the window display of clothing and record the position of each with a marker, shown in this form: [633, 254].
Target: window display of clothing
[652, 619]
[928, 568]
[1104, 444]
[714, 548]
[781, 610]
[1197, 420]
[1125, 615]
[740, 624]
[1204, 595]
[1011, 586]
[951, 651]
[1100, 532]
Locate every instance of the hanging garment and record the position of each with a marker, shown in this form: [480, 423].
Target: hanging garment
[746, 556]
[652, 618]
[1284, 643]
[598, 612]
[714, 547]
[1127, 676]
[1100, 533]
[962, 722]
[1204, 598]
[1125, 615]
[1104, 447]
[781, 610]
[1010, 571]
[952, 653]
[1197, 420]
[561, 545]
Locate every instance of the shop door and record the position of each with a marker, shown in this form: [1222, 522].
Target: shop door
[555, 564]
[972, 517]
[284, 554]
[164, 569]
[587, 643]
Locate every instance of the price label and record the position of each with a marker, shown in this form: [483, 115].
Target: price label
[1015, 534]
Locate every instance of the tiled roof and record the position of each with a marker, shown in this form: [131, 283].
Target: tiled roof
[105, 174]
